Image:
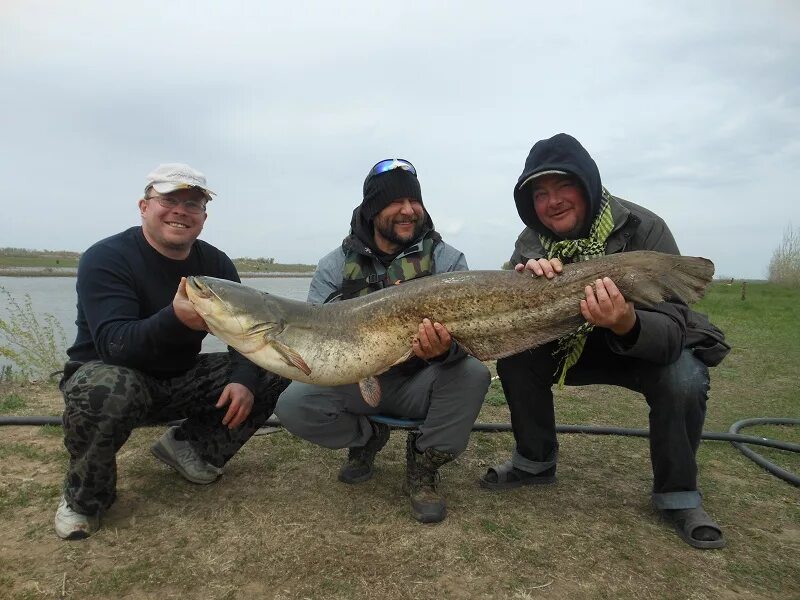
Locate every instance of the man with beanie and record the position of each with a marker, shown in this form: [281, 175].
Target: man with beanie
[136, 358]
[663, 352]
[392, 240]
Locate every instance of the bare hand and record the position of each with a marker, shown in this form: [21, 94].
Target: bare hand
[542, 266]
[185, 311]
[432, 340]
[605, 306]
[240, 400]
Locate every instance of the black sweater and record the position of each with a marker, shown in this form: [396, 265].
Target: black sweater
[125, 316]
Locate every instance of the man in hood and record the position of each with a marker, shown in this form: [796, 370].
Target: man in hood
[663, 352]
[392, 240]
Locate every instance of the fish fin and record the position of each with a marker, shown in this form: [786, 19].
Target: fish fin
[370, 390]
[291, 357]
[477, 351]
[400, 360]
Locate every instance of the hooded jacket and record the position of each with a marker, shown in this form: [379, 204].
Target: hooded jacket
[561, 152]
[665, 329]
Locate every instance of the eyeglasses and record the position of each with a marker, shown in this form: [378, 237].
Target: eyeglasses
[392, 163]
[195, 207]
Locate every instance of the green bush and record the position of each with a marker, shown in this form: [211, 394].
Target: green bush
[34, 344]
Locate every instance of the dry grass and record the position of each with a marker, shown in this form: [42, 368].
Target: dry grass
[279, 525]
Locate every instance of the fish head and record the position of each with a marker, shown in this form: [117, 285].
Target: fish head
[238, 315]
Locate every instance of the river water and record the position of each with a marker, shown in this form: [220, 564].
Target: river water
[56, 296]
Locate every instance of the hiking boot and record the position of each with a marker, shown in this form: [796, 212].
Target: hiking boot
[422, 478]
[72, 525]
[181, 456]
[359, 463]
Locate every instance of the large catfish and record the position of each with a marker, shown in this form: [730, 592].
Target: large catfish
[491, 314]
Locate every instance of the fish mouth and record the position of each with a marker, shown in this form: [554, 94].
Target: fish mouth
[200, 289]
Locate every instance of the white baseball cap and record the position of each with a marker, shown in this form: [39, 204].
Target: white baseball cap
[169, 177]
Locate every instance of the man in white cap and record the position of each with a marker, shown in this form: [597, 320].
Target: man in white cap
[136, 358]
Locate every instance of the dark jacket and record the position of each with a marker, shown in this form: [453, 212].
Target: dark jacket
[125, 316]
[663, 330]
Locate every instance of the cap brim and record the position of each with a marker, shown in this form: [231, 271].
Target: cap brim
[539, 174]
[166, 187]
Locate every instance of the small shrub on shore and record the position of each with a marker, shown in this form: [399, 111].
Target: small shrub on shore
[784, 268]
[34, 344]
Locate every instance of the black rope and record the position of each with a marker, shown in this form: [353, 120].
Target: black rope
[733, 436]
[757, 458]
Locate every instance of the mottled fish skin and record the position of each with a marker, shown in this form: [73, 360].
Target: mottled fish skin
[491, 314]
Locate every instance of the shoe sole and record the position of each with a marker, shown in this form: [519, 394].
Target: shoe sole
[355, 480]
[167, 460]
[74, 536]
[497, 486]
[427, 518]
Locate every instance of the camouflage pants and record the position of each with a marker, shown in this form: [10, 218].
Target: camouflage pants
[104, 403]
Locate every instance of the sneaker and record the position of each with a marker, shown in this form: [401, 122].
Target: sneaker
[181, 456]
[71, 525]
[359, 463]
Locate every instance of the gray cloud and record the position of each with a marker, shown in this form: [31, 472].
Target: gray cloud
[689, 109]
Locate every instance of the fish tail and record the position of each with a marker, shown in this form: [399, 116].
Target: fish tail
[652, 277]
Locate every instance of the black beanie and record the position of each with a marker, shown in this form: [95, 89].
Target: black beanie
[384, 188]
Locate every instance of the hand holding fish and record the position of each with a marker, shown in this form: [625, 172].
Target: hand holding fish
[185, 310]
[240, 402]
[542, 266]
[432, 340]
[605, 306]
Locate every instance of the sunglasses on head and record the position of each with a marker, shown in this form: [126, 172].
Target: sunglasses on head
[392, 163]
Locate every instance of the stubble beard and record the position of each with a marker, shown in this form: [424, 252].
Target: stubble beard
[387, 231]
[161, 238]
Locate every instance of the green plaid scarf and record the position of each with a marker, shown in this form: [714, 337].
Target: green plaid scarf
[574, 251]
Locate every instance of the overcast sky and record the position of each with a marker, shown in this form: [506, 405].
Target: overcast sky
[690, 108]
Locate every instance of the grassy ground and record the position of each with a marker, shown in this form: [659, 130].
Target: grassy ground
[258, 265]
[33, 259]
[279, 525]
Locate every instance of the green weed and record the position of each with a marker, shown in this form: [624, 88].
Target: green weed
[11, 403]
[34, 343]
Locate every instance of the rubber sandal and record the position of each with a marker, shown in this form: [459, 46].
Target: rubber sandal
[507, 477]
[687, 520]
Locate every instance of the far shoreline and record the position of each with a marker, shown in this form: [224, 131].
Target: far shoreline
[72, 272]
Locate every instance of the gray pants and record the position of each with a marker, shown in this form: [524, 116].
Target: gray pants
[447, 396]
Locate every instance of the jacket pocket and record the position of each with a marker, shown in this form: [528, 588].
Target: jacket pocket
[705, 339]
